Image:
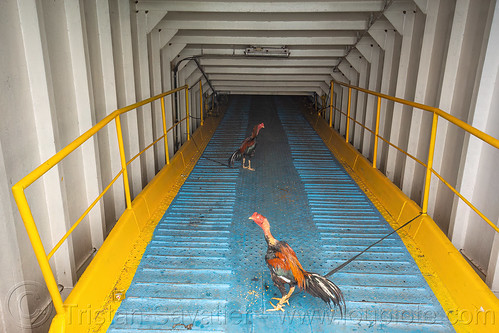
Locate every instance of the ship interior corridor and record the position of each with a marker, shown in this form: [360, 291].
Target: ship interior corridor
[204, 268]
[121, 209]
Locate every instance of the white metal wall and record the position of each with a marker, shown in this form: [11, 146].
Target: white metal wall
[440, 53]
[66, 64]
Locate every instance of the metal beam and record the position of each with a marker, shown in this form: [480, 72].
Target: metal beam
[264, 37]
[266, 62]
[270, 77]
[269, 91]
[311, 51]
[264, 21]
[262, 84]
[264, 70]
[263, 6]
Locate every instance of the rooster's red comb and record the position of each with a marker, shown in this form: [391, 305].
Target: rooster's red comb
[257, 217]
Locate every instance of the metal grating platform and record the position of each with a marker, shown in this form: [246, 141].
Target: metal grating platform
[204, 269]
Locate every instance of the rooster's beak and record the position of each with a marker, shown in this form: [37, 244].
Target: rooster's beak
[250, 218]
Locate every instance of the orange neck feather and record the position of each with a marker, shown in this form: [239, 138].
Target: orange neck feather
[266, 231]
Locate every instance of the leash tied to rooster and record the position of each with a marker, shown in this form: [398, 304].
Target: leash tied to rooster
[286, 269]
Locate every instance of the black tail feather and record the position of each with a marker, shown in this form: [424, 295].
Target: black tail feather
[236, 156]
[319, 286]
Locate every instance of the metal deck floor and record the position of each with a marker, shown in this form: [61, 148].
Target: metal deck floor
[204, 268]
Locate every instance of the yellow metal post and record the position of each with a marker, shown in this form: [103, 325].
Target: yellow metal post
[376, 133]
[429, 165]
[347, 134]
[187, 112]
[163, 113]
[201, 101]
[36, 242]
[331, 105]
[128, 197]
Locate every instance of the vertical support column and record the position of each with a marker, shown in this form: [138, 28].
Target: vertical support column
[331, 105]
[463, 57]
[374, 55]
[347, 132]
[188, 118]
[105, 101]
[391, 42]
[412, 33]
[84, 116]
[479, 160]
[143, 91]
[55, 222]
[185, 71]
[361, 66]
[439, 14]
[344, 107]
[155, 75]
[125, 84]
[201, 101]
[168, 53]
[352, 76]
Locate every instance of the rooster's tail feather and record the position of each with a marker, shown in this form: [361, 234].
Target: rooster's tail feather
[236, 156]
[319, 286]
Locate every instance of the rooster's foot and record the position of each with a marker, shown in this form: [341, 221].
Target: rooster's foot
[278, 307]
[249, 166]
[282, 300]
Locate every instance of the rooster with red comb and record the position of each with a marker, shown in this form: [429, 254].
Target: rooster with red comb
[286, 269]
[247, 149]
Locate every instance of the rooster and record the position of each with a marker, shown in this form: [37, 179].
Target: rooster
[247, 149]
[286, 269]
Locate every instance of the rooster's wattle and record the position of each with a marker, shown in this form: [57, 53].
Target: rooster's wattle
[247, 149]
[286, 269]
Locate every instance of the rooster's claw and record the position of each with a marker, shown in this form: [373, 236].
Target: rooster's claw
[277, 307]
[281, 301]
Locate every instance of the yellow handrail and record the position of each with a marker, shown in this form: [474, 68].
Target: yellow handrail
[20, 186]
[429, 165]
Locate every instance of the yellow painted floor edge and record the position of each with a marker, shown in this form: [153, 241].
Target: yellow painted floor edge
[431, 277]
[105, 316]
[91, 307]
[460, 315]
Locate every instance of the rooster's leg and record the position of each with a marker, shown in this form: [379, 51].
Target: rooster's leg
[249, 166]
[284, 299]
[244, 162]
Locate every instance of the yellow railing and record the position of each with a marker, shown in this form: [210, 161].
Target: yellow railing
[22, 203]
[429, 164]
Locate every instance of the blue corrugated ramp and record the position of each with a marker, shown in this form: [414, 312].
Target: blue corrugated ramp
[204, 269]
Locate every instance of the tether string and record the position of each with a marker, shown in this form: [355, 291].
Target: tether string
[367, 248]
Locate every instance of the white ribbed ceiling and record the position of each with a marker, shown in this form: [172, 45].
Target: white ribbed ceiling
[318, 35]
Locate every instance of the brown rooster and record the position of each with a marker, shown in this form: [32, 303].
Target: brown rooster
[286, 269]
[247, 149]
